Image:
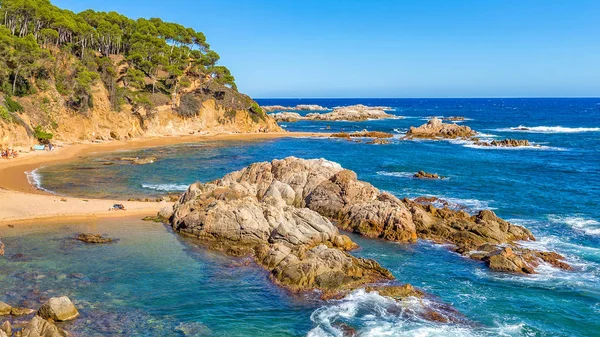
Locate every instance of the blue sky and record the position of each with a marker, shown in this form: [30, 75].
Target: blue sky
[379, 48]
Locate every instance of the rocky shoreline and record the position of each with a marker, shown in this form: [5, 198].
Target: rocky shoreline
[284, 214]
[56, 309]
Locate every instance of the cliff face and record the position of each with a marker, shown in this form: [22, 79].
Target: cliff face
[216, 109]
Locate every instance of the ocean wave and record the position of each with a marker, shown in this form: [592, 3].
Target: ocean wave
[35, 179]
[514, 148]
[166, 187]
[580, 224]
[369, 314]
[547, 129]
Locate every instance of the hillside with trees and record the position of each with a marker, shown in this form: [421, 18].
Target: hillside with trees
[58, 67]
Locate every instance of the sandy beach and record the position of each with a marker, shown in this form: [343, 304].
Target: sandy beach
[20, 201]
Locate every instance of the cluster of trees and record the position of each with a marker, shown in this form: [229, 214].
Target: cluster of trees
[38, 40]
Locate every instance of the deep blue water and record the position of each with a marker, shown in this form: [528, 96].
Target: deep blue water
[553, 189]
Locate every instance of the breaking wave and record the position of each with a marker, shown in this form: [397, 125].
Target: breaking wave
[166, 187]
[548, 129]
[580, 224]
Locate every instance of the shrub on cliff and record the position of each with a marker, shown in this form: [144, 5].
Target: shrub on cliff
[189, 106]
[5, 115]
[12, 105]
[42, 136]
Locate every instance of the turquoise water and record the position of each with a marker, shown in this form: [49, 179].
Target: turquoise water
[553, 189]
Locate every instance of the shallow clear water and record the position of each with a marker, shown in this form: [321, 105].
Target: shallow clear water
[554, 190]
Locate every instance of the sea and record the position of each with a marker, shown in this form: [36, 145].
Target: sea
[152, 282]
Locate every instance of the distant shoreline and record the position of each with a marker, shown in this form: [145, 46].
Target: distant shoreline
[20, 201]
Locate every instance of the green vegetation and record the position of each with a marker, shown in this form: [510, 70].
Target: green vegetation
[41, 44]
[5, 115]
[42, 136]
[12, 105]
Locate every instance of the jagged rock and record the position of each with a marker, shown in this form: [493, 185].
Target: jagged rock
[287, 116]
[6, 327]
[21, 311]
[4, 309]
[425, 175]
[379, 141]
[39, 327]
[58, 309]
[453, 118]
[396, 292]
[310, 107]
[434, 128]
[261, 216]
[355, 113]
[245, 208]
[93, 238]
[505, 143]
[363, 134]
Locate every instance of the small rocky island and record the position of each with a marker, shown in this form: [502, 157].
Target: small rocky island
[436, 129]
[283, 214]
[299, 107]
[354, 113]
[426, 175]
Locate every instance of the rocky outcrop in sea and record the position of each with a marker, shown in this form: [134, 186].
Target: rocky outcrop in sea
[282, 212]
[57, 309]
[354, 113]
[304, 107]
[435, 128]
[505, 143]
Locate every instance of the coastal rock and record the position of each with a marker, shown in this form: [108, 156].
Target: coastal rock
[144, 161]
[4, 309]
[309, 107]
[453, 118]
[3, 334]
[363, 134]
[250, 213]
[58, 309]
[505, 143]
[287, 116]
[93, 238]
[434, 128]
[354, 113]
[426, 175]
[265, 200]
[40, 327]
[379, 141]
[21, 311]
[1, 248]
[6, 327]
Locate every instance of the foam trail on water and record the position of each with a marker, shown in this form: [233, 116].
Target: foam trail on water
[396, 174]
[580, 224]
[369, 314]
[35, 180]
[165, 187]
[548, 129]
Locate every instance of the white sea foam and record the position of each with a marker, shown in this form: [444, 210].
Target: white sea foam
[580, 224]
[374, 315]
[396, 174]
[473, 204]
[547, 129]
[166, 187]
[512, 148]
[35, 179]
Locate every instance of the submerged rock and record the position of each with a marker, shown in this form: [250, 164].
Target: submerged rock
[58, 309]
[40, 327]
[6, 327]
[93, 238]
[286, 202]
[434, 128]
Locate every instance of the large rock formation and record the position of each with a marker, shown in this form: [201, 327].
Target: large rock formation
[354, 113]
[304, 107]
[265, 201]
[434, 129]
[257, 216]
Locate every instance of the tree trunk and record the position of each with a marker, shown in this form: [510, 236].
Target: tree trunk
[15, 80]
